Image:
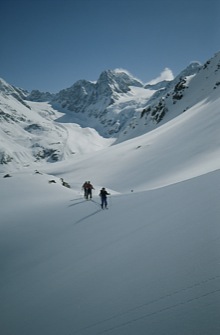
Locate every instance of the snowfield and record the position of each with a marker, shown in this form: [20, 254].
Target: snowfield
[150, 264]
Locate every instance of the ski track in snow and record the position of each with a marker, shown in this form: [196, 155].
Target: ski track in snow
[169, 307]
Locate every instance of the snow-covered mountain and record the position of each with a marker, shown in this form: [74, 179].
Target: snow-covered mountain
[112, 103]
[30, 133]
[150, 264]
[40, 126]
[104, 105]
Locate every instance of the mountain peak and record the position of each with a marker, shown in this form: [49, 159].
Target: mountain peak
[191, 69]
[118, 81]
[5, 87]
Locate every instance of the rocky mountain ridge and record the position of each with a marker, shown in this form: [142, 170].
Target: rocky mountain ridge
[108, 104]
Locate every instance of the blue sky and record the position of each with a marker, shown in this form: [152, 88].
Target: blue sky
[50, 44]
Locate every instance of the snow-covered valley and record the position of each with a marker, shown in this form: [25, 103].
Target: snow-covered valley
[150, 264]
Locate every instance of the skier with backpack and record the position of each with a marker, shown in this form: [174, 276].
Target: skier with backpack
[103, 195]
[84, 188]
[88, 187]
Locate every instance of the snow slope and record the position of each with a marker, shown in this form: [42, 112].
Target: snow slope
[187, 146]
[148, 265]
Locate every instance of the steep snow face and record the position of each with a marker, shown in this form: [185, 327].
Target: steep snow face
[8, 90]
[195, 84]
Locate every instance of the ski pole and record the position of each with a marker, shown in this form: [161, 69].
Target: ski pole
[110, 201]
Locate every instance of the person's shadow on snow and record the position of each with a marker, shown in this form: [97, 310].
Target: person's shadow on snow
[77, 203]
[86, 217]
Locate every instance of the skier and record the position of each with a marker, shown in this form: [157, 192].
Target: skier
[84, 187]
[89, 190]
[103, 195]
[88, 187]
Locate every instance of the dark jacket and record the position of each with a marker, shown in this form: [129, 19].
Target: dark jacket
[103, 193]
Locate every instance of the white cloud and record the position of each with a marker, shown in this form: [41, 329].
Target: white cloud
[166, 74]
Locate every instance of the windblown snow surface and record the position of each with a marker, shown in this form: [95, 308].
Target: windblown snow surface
[149, 265]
